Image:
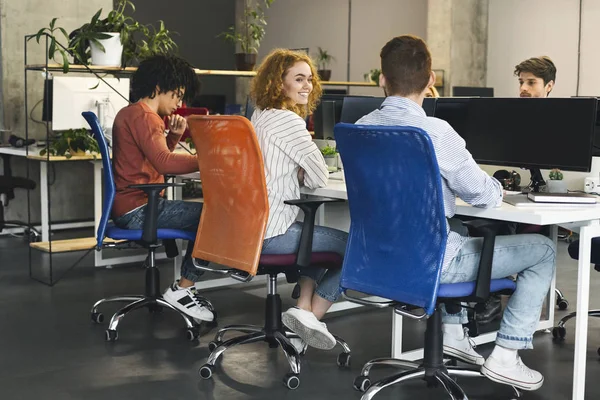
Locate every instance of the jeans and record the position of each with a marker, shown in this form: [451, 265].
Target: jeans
[532, 258]
[172, 214]
[324, 240]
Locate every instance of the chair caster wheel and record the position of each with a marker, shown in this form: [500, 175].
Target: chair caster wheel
[206, 371]
[559, 332]
[212, 346]
[343, 360]
[562, 304]
[192, 334]
[291, 381]
[361, 383]
[97, 317]
[111, 335]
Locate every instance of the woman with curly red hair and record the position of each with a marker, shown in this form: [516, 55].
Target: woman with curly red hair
[285, 90]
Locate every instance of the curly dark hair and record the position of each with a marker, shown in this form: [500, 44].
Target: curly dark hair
[167, 73]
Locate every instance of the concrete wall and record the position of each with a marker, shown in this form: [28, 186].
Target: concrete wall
[326, 23]
[522, 29]
[71, 194]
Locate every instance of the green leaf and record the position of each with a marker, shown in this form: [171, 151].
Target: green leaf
[65, 62]
[95, 17]
[53, 22]
[52, 47]
[97, 43]
[64, 32]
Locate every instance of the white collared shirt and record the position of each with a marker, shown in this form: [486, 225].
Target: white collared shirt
[461, 176]
[286, 147]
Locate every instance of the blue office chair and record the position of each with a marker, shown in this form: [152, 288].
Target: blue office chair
[559, 331]
[148, 237]
[397, 241]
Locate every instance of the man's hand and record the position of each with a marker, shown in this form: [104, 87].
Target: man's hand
[177, 124]
[301, 176]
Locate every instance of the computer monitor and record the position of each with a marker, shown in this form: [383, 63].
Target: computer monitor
[429, 106]
[73, 95]
[214, 102]
[471, 91]
[249, 109]
[343, 92]
[529, 133]
[329, 110]
[356, 107]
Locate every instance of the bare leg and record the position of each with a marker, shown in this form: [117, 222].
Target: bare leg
[320, 306]
[307, 290]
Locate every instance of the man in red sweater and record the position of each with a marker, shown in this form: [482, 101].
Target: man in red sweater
[142, 153]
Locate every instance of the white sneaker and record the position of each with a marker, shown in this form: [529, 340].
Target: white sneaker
[463, 348]
[309, 328]
[299, 345]
[187, 300]
[517, 374]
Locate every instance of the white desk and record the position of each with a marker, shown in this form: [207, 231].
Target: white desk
[585, 220]
[45, 222]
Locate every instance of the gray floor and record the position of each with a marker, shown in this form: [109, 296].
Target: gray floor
[49, 349]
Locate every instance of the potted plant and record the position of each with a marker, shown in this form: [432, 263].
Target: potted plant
[250, 33]
[373, 76]
[330, 155]
[74, 142]
[556, 184]
[117, 40]
[323, 59]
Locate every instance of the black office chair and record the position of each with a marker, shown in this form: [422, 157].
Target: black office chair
[559, 332]
[7, 186]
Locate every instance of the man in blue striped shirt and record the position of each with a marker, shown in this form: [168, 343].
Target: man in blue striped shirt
[406, 76]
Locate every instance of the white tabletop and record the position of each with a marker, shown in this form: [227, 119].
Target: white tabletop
[542, 215]
[18, 151]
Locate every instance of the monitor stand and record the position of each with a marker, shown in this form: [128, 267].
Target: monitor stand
[537, 180]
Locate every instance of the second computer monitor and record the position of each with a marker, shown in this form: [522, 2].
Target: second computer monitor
[471, 91]
[529, 133]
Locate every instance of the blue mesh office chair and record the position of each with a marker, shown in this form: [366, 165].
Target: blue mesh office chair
[559, 331]
[148, 237]
[397, 242]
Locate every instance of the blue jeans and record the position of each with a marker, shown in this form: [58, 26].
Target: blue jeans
[172, 214]
[324, 240]
[532, 258]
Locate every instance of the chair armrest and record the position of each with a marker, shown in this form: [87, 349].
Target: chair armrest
[488, 229]
[309, 207]
[152, 190]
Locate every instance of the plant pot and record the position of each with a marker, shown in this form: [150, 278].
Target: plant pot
[324, 74]
[113, 51]
[331, 162]
[556, 186]
[245, 61]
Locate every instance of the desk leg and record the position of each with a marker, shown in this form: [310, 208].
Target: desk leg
[44, 201]
[551, 298]
[583, 299]
[396, 335]
[175, 193]
[320, 218]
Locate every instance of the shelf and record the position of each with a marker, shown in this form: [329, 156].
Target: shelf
[63, 246]
[90, 157]
[211, 72]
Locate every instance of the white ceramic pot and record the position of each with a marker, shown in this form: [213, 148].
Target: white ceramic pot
[331, 162]
[113, 51]
[556, 186]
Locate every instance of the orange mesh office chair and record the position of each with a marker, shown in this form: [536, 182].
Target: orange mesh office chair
[232, 228]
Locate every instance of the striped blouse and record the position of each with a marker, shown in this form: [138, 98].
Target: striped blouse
[461, 176]
[286, 147]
